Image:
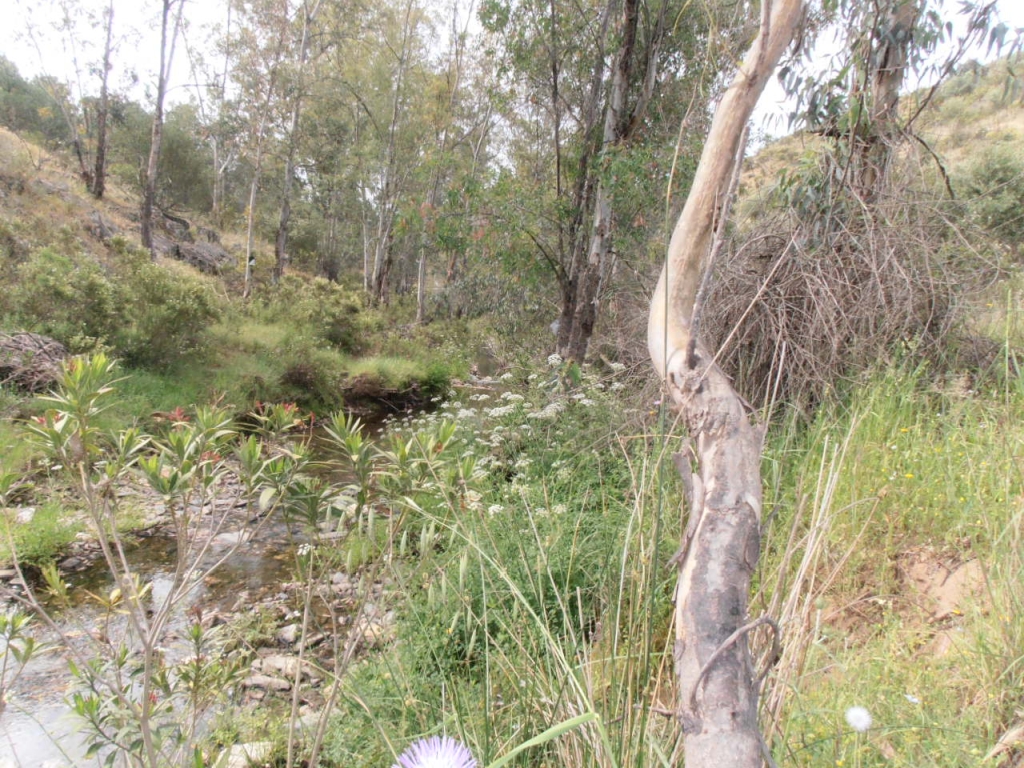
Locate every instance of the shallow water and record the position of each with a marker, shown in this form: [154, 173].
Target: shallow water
[38, 730]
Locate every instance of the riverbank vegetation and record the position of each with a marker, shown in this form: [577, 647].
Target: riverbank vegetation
[478, 510]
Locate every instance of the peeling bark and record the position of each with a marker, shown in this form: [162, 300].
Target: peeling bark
[717, 682]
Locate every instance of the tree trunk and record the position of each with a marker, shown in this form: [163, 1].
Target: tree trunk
[885, 66]
[717, 684]
[99, 175]
[588, 275]
[281, 242]
[156, 137]
[388, 200]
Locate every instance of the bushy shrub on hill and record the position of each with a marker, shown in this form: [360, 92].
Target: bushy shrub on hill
[325, 310]
[995, 190]
[148, 314]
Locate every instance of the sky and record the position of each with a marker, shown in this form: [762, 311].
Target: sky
[137, 23]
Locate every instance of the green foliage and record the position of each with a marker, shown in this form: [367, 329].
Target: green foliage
[312, 376]
[150, 315]
[166, 314]
[994, 187]
[27, 106]
[50, 530]
[72, 300]
[911, 469]
[322, 309]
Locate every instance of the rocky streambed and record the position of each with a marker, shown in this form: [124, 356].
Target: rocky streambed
[253, 593]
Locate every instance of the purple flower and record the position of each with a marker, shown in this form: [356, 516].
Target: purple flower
[436, 752]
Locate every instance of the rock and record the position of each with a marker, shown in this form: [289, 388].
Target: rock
[266, 682]
[288, 634]
[25, 515]
[245, 755]
[228, 540]
[284, 666]
[72, 563]
[376, 633]
[342, 583]
[6, 575]
[206, 257]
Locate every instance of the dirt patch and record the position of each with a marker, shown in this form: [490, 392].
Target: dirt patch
[940, 586]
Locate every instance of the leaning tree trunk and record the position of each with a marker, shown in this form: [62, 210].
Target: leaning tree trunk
[156, 137]
[99, 176]
[717, 684]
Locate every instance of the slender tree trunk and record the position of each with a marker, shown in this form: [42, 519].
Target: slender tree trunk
[717, 683]
[383, 258]
[885, 66]
[281, 242]
[455, 73]
[99, 175]
[591, 272]
[167, 40]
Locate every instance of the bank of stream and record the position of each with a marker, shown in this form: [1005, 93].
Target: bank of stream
[256, 584]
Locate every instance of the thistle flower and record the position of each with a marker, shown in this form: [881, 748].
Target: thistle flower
[436, 752]
[859, 718]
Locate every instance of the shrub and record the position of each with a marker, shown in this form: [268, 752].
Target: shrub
[69, 299]
[327, 310]
[170, 309]
[148, 314]
[312, 377]
[995, 188]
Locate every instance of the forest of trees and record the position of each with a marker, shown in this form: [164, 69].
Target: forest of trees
[466, 156]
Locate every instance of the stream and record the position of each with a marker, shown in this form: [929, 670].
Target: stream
[38, 729]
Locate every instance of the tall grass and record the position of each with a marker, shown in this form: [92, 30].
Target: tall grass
[909, 471]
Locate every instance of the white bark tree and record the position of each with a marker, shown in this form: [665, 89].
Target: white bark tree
[717, 681]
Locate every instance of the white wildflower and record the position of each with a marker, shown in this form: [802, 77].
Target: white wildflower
[512, 397]
[506, 376]
[617, 367]
[554, 360]
[473, 500]
[859, 718]
[494, 509]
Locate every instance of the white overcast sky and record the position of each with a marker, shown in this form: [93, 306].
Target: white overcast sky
[138, 22]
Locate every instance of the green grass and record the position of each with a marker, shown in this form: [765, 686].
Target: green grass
[50, 530]
[912, 469]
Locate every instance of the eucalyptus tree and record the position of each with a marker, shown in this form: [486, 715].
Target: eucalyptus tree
[85, 115]
[219, 124]
[445, 94]
[99, 174]
[371, 94]
[170, 24]
[718, 686]
[855, 98]
[260, 44]
[307, 12]
[583, 79]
